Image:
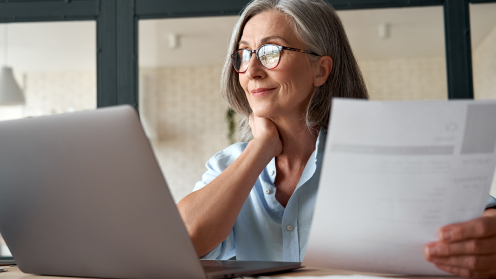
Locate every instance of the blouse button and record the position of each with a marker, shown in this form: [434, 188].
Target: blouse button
[267, 191]
[289, 227]
[271, 172]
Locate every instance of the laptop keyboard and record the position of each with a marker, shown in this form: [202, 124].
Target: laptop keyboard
[211, 268]
[216, 266]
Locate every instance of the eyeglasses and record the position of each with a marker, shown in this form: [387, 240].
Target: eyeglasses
[268, 56]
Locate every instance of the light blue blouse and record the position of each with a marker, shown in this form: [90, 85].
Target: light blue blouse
[264, 229]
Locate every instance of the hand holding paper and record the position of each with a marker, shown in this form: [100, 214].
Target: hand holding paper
[467, 249]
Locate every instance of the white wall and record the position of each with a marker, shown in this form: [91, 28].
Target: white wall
[49, 46]
[484, 67]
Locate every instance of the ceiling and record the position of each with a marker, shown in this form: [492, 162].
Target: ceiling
[62, 46]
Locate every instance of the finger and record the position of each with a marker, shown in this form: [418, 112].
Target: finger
[478, 263]
[464, 272]
[477, 246]
[480, 227]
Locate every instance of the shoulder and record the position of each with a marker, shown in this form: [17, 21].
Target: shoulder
[222, 159]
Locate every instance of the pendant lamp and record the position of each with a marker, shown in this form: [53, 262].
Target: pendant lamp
[10, 92]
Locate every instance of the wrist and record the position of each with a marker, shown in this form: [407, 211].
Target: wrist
[264, 149]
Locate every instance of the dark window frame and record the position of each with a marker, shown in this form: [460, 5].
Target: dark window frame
[117, 34]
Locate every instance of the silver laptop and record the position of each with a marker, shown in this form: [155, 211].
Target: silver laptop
[82, 195]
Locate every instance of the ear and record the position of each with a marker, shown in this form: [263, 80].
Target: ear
[324, 69]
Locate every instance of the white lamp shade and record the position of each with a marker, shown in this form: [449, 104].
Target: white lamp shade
[10, 92]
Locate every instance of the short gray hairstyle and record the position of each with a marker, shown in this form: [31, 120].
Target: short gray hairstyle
[319, 28]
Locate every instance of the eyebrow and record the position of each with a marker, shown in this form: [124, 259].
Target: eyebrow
[266, 39]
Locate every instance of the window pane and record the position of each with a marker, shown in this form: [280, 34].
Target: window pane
[181, 106]
[400, 51]
[483, 33]
[54, 65]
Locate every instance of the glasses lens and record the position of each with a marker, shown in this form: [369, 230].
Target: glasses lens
[269, 56]
[241, 59]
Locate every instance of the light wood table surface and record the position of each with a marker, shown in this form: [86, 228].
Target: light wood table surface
[15, 273]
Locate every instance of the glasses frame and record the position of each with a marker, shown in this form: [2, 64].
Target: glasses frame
[256, 51]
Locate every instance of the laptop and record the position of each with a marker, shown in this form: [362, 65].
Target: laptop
[81, 194]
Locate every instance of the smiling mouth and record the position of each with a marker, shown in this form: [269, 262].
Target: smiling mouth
[261, 91]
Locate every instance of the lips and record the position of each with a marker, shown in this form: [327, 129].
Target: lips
[261, 91]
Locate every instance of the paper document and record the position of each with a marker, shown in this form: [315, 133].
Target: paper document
[393, 174]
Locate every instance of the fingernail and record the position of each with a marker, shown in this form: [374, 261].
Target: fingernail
[432, 251]
[446, 235]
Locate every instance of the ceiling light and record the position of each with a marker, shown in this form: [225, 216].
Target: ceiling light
[384, 30]
[174, 41]
[10, 92]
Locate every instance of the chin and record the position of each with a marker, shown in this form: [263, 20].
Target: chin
[266, 113]
[264, 109]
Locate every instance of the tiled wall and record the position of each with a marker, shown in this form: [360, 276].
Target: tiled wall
[53, 92]
[57, 92]
[405, 79]
[185, 114]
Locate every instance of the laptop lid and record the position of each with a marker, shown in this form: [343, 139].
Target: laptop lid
[82, 195]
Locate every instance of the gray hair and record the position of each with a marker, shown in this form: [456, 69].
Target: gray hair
[319, 28]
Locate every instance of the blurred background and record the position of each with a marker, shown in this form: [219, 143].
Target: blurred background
[401, 53]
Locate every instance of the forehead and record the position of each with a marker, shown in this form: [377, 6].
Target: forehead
[268, 24]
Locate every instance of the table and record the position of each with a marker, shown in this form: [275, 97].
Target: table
[15, 273]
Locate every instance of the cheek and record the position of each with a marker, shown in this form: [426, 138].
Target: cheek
[297, 81]
[243, 81]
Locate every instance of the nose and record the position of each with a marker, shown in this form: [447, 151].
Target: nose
[254, 70]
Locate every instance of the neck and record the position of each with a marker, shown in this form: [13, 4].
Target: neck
[298, 142]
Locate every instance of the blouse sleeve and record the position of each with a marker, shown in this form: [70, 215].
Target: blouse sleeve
[217, 164]
[491, 202]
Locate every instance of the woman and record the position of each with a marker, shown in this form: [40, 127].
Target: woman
[256, 200]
